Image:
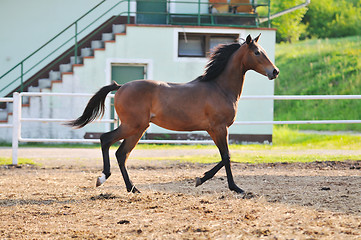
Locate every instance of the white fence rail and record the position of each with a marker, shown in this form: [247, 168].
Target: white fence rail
[300, 97]
[17, 118]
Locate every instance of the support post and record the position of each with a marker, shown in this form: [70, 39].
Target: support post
[22, 77]
[16, 127]
[76, 44]
[128, 14]
[269, 13]
[199, 12]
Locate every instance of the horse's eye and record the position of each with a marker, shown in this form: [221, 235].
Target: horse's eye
[257, 53]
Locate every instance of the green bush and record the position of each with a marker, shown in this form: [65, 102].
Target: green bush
[331, 18]
[289, 26]
[320, 19]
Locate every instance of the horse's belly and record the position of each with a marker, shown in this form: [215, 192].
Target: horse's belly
[179, 122]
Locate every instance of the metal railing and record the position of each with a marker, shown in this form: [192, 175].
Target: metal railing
[18, 119]
[30, 68]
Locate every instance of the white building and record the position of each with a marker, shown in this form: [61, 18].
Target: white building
[166, 41]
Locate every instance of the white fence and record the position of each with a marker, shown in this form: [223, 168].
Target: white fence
[17, 118]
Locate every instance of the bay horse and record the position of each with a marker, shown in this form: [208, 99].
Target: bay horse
[207, 103]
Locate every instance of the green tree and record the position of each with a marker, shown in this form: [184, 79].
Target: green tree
[331, 18]
[289, 26]
[318, 16]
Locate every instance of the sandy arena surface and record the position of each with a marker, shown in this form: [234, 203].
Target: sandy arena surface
[58, 199]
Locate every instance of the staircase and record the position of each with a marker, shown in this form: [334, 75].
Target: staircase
[64, 64]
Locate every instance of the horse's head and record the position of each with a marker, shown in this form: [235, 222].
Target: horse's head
[257, 59]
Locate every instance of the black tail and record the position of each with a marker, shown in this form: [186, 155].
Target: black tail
[94, 108]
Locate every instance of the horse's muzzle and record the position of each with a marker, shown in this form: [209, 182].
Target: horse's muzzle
[273, 74]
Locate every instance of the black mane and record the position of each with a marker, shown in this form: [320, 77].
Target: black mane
[218, 61]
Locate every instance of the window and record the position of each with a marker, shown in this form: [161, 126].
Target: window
[191, 46]
[201, 45]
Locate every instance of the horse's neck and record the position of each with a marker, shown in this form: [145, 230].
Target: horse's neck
[232, 78]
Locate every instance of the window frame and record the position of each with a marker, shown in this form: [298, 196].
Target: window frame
[192, 36]
[206, 37]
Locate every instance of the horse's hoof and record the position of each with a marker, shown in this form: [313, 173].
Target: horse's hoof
[133, 190]
[98, 182]
[101, 180]
[198, 181]
[237, 190]
[248, 195]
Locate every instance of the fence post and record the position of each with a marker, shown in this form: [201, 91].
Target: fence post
[16, 127]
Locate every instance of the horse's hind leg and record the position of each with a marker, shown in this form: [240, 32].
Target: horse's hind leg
[106, 140]
[208, 175]
[122, 155]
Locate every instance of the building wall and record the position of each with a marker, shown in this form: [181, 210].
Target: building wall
[26, 25]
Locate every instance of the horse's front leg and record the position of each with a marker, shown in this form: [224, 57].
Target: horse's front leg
[219, 136]
[227, 164]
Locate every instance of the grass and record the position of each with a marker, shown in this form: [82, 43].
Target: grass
[321, 67]
[284, 137]
[257, 158]
[21, 161]
[289, 145]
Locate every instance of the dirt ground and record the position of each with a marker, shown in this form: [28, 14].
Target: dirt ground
[58, 199]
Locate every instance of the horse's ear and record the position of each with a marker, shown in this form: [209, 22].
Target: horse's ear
[256, 39]
[248, 39]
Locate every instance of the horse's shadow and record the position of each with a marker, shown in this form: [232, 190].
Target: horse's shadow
[331, 193]
[41, 202]
[217, 185]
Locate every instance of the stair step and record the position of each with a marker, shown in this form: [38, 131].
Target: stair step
[79, 60]
[54, 75]
[33, 89]
[25, 100]
[65, 68]
[118, 28]
[44, 83]
[3, 115]
[86, 52]
[9, 107]
[97, 44]
[107, 36]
